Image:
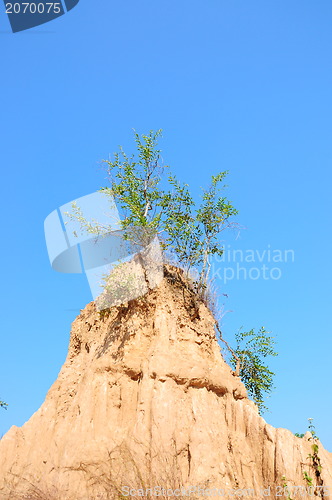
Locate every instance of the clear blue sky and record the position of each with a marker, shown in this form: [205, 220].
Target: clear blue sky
[242, 86]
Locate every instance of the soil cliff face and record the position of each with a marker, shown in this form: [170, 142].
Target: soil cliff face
[144, 399]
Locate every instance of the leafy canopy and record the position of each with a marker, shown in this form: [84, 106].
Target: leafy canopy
[189, 232]
[249, 358]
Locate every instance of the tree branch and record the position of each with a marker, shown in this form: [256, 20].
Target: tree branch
[238, 360]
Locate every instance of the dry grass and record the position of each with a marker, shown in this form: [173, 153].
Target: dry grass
[20, 488]
[125, 470]
[124, 474]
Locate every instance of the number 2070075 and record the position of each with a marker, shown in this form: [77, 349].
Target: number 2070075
[33, 8]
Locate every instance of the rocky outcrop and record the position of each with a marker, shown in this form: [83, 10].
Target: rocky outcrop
[145, 399]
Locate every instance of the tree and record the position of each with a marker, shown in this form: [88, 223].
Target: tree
[248, 360]
[190, 233]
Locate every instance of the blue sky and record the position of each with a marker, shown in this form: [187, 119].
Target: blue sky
[239, 86]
